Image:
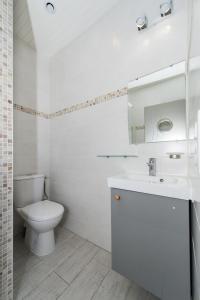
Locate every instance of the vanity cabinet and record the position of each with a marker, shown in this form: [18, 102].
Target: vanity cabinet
[151, 242]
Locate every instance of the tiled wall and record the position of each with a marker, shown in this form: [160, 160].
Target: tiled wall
[31, 96]
[104, 59]
[194, 171]
[78, 128]
[82, 105]
[31, 133]
[6, 140]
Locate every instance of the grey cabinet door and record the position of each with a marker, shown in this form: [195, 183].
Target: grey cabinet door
[150, 242]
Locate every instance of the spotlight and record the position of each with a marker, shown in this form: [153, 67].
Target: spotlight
[141, 22]
[166, 8]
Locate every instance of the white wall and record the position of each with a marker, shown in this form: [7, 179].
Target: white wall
[105, 58]
[194, 106]
[43, 125]
[31, 134]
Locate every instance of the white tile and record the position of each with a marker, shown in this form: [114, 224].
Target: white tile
[65, 148]
[78, 137]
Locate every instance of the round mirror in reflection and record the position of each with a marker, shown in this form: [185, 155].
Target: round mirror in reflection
[164, 125]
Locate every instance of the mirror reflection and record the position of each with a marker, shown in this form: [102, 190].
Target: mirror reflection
[157, 109]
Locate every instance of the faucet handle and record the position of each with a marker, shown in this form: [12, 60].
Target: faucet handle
[151, 161]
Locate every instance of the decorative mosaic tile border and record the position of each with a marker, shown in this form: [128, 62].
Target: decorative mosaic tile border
[30, 111]
[6, 149]
[97, 100]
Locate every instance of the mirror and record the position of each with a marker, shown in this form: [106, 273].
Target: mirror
[157, 106]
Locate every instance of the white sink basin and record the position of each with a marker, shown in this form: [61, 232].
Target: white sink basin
[168, 186]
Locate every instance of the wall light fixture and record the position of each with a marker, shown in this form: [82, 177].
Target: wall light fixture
[166, 8]
[141, 22]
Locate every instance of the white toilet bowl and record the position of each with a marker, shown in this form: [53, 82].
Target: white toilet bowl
[41, 218]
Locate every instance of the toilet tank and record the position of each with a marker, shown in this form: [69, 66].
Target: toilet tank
[28, 189]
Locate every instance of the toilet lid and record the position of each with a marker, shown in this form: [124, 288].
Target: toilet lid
[42, 210]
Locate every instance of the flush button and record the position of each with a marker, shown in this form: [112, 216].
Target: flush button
[173, 207]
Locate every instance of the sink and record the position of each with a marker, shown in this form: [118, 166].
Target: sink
[168, 186]
[150, 179]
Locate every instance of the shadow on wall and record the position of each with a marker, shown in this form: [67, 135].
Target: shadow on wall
[25, 125]
[65, 217]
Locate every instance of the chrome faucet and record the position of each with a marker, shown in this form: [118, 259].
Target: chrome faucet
[152, 166]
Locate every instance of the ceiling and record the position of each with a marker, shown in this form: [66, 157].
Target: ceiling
[53, 32]
[22, 22]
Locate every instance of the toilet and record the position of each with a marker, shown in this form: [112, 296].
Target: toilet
[40, 216]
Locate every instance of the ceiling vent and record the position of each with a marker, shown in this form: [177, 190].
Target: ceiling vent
[50, 7]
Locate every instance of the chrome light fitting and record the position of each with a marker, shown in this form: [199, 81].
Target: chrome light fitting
[166, 8]
[50, 7]
[141, 22]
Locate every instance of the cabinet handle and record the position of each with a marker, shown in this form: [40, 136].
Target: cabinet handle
[117, 197]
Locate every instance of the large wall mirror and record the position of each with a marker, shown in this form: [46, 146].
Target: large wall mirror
[157, 106]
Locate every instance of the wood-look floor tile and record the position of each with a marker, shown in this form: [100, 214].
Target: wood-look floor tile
[61, 234]
[24, 264]
[104, 257]
[114, 286]
[77, 261]
[31, 279]
[19, 247]
[137, 293]
[86, 283]
[72, 266]
[63, 251]
[49, 289]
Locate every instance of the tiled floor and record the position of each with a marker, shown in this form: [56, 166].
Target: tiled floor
[76, 270]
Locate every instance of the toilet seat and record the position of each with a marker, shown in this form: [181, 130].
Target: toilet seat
[42, 211]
